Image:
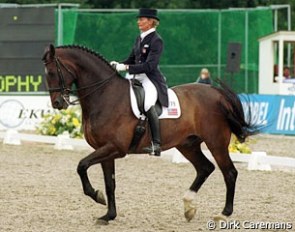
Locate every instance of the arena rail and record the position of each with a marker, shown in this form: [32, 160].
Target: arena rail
[258, 160]
[255, 160]
[61, 142]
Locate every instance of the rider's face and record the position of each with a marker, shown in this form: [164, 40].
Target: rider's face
[144, 23]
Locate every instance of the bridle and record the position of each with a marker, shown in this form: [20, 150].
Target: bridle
[65, 91]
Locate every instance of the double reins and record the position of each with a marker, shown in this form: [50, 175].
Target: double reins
[65, 91]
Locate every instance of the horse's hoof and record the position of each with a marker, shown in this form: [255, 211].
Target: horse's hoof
[104, 220]
[189, 207]
[100, 198]
[189, 214]
[101, 222]
[220, 217]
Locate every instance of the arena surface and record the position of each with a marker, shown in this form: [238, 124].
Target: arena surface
[41, 191]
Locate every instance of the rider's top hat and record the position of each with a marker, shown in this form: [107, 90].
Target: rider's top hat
[148, 13]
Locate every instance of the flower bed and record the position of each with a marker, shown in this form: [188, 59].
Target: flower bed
[68, 120]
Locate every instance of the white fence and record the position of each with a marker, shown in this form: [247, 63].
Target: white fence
[61, 142]
[255, 161]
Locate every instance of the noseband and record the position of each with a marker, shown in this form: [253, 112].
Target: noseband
[64, 90]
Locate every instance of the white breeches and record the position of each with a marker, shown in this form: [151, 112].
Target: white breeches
[151, 94]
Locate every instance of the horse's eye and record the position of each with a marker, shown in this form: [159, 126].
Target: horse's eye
[50, 73]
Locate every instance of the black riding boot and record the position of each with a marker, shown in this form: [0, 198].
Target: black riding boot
[155, 148]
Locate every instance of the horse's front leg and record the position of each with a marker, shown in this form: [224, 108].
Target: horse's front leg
[105, 156]
[108, 168]
[82, 168]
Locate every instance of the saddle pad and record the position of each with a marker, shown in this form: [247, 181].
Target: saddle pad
[172, 111]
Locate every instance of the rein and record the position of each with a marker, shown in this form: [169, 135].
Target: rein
[65, 92]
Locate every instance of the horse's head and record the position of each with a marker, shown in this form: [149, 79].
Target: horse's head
[59, 77]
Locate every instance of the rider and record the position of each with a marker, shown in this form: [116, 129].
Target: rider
[143, 62]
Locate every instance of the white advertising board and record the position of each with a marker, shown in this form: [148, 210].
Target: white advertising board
[23, 112]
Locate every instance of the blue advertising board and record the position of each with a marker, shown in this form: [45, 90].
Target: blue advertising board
[274, 113]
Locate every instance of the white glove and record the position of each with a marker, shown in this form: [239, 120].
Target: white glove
[114, 63]
[121, 67]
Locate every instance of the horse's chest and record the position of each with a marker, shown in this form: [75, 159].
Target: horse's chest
[96, 132]
[90, 137]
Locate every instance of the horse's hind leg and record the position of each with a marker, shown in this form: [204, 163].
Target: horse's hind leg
[192, 151]
[229, 174]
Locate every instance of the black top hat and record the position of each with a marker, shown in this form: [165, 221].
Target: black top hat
[148, 13]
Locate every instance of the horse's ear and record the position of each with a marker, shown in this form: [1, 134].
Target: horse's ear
[51, 50]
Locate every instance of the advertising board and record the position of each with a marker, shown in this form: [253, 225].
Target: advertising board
[274, 113]
[23, 112]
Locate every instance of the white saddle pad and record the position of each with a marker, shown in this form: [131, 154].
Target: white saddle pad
[172, 111]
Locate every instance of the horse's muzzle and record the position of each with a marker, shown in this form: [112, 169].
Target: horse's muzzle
[59, 103]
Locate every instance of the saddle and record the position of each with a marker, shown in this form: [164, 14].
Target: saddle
[140, 128]
[137, 97]
[140, 95]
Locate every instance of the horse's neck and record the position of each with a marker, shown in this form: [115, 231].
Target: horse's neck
[99, 86]
[92, 71]
[103, 100]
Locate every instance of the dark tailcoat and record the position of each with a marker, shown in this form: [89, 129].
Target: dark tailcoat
[204, 81]
[144, 58]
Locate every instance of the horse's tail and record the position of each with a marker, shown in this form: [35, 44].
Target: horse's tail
[234, 113]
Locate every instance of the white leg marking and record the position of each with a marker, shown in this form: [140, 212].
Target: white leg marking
[189, 206]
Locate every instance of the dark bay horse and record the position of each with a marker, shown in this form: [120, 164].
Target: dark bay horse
[209, 114]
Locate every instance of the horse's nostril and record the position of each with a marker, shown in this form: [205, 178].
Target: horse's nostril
[56, 104]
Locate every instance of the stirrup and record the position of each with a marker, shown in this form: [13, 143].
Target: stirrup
[154, 149]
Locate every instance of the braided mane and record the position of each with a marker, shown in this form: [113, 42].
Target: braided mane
[87, 50]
